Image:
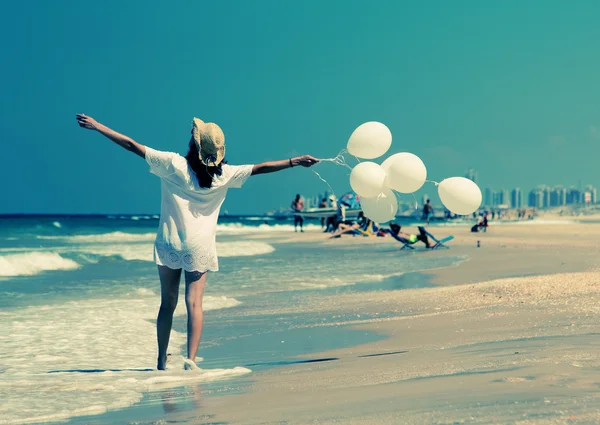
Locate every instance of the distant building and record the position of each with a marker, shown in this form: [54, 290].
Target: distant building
[516, 198]
[574, 196]
[554, 198]
[501, 198]
[547, 192]
[531, 198]
[505, 198]
[471, 174]
[593, 194]
[536, 198]
[541, 197]
[562, 196]
[489, 197]
[497, 198]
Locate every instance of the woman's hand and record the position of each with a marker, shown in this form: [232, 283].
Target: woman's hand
[120, 139]
[87, 122]
[305, 161]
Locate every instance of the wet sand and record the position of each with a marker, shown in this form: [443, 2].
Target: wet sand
[512, 335]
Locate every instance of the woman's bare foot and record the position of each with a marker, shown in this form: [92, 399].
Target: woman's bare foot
[190, 365]
[162, 363]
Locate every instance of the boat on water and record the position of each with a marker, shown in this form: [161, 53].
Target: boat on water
[326, 212]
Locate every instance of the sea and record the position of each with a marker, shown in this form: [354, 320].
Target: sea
[79, 296]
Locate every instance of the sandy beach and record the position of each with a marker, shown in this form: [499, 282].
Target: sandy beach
[508, 336]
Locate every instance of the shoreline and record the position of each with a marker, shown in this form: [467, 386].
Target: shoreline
[416, 312]
[527, 293]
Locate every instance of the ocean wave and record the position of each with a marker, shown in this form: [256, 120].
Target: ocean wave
[239, 228]
[27, 262]
[465, 223]
[104, 237]
[229, 228]
[32, 263]
[145, 252]
[65, 338]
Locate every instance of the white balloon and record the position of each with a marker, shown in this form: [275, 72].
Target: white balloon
[367, 179]
[460, 195]
[370, 140]
[405, 171]
[381, 208]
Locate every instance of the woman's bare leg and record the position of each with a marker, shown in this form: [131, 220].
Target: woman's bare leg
[169, 292]
[344, 228]
[194, 292]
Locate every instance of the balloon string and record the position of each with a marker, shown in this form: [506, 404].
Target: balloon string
[339, 159]
[399, 198]
[325, 181]
[431, 181]
[416, 202]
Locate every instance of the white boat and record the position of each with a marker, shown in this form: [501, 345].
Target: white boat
[326, 212]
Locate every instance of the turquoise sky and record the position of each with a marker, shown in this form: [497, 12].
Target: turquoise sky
[510, 88]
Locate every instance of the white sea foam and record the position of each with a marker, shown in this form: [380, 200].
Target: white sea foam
[536, 222]
[32, 263]
[145, 252]
[139, 246]
[90, 334]
[316, 282]
[230, 228]
[263, 228]
[57, 224]
[104, 237]
[243, 249]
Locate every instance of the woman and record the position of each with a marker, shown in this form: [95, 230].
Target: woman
[362, 223]
[395, 231]
[193, 190]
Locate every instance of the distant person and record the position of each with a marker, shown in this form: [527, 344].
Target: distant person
[362, 223]
[333, 201]
[193, 189]
[427, 211]
[481, 225]
[332, 221]
[396, 230]
[298, 207]
[323, 204]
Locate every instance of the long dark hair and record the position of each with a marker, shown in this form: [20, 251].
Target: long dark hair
[204, 173]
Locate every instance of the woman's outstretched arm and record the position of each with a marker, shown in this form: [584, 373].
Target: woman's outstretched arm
[120, 139]
[273, 166]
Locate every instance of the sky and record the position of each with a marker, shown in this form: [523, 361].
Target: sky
[508, 88]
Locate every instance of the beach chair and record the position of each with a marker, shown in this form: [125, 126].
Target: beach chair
[405, 244]
[369, 230]
[439, 243]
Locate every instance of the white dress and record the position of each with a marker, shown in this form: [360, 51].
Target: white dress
[188, 218]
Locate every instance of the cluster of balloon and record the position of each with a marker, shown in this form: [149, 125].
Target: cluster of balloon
[402, 172]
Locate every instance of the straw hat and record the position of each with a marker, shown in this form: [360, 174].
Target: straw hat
[210, 141]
